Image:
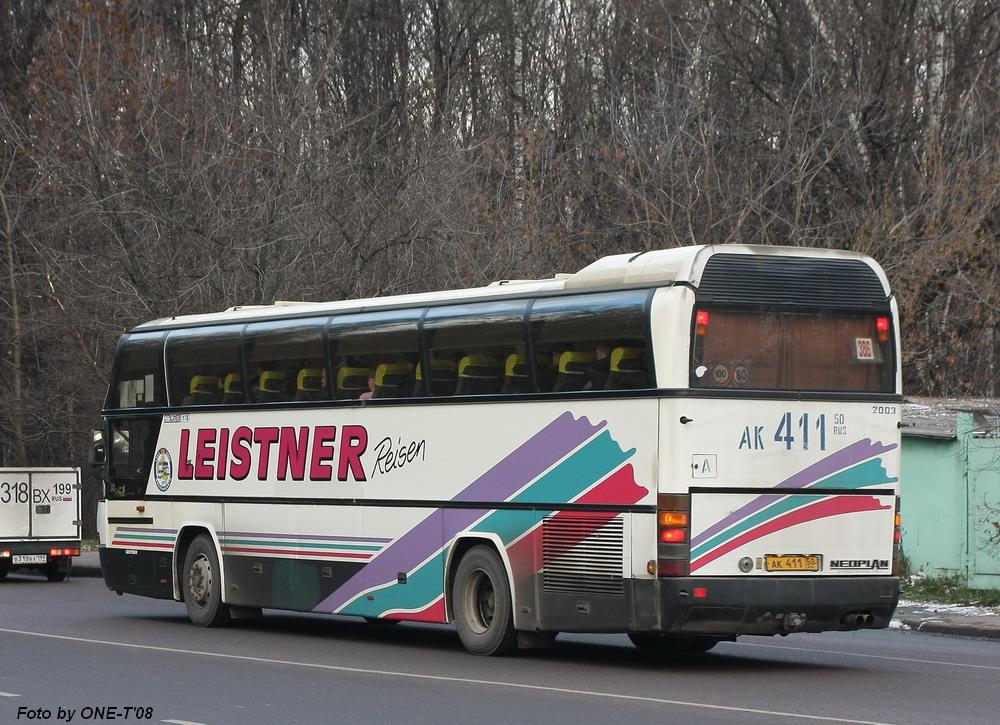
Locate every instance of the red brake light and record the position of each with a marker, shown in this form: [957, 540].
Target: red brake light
[673, 536]
[882, 324]
[701, 318]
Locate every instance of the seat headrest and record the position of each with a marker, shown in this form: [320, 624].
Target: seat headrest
[205, 384]
[575, 363]
[353, 378]
[479, 366]
[628, 360]
[440, 370]
[271, 381]
[233, 384]
[310, 379]
[393, 373]
[516, 366]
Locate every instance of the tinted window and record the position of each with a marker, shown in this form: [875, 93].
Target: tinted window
[481, 345]
[591, 342]
[130, 456]
[199, 361]
[138, 378]
[374, 354]
[772, 350]
[285, 361]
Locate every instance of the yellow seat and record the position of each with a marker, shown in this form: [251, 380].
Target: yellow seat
[352, 381]
[442, 379]
[628, 369]
[393, 380]
[572, 371]
[232, 388]
[271, 387]
[309, 384]
[203, 390]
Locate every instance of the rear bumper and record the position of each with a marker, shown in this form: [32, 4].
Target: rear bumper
[18, 548]
[732, 606]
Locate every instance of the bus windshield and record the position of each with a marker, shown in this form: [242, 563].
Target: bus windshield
[801, 350]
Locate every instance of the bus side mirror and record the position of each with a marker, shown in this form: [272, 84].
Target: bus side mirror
[97, 453]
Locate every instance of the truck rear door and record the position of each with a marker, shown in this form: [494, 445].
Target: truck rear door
[55, 504]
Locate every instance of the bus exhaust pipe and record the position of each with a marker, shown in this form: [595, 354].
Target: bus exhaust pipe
[858, 619]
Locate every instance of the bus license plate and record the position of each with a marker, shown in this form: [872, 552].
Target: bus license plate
[810, 562]
[29, 559]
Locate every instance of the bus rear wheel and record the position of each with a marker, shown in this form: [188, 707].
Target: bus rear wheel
[481, 601]
[666, 646]
[202, 585]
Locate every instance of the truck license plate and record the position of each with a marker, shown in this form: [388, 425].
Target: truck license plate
[810, 562]
[29, 559]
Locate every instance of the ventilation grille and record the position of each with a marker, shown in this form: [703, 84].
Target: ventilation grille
[582, 554]
[770, 279]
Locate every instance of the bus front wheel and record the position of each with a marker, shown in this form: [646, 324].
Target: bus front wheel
[481, 601]
[202, 585]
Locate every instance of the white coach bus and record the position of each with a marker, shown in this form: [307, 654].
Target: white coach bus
[684, 445]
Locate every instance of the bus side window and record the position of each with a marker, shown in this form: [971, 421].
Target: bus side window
[130, 455]
[286, 361]
[477, 339]
[198, 360]
[138, 375]
[375, 354]
[591, 341]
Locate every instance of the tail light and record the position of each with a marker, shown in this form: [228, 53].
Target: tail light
[5, 554]
[701, 318]
[673, 531]
[882, 327]
[64, 552]
[897, 538]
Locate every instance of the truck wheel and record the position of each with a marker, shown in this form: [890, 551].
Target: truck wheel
[658, 644]
[201, 583]
[484, 615]
[54, 572]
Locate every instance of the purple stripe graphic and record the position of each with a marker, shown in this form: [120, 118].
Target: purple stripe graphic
[138, 530]
[520, 467]
[304, 537]
[859, 451]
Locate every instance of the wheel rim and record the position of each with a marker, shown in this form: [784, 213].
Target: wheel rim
[480, 601]
[200, 580]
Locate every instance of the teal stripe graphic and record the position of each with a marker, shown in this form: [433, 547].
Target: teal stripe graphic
[301, 544]
[141, 537]
[590, 464]
[869, 473]
[422, 587]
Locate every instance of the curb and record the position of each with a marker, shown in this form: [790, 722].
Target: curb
[973, 630]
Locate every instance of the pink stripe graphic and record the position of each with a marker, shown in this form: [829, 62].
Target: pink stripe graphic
[821, 509]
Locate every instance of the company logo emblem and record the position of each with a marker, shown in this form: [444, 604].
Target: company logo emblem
[163, 469]
[859, 564]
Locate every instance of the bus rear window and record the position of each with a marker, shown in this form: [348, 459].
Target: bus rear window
[770, 350]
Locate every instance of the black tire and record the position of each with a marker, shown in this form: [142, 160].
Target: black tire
[666, 646]
[481, 601]
[55, 573]
[201, 583]
[3, 572]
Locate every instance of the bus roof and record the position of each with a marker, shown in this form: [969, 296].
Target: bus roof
[662, 267]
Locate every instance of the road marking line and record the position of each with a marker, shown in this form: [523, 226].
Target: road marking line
[183, 722]
[9, 694]
[444, 678]
[860, 654]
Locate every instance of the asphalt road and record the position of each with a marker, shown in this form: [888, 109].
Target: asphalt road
[76, 646]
